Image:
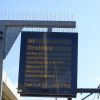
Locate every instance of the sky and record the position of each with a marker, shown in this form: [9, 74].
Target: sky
[87, 17]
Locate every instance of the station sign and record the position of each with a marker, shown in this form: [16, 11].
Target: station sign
[48, 64]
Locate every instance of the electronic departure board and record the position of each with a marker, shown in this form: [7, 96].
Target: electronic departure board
[48, 64]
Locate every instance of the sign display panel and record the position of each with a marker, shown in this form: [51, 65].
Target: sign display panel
[48, 64]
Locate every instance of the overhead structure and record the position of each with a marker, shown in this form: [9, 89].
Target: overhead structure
[10, 29]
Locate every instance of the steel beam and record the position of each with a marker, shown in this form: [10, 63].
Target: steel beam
[88, 90]
[41, 24]
[87, 96]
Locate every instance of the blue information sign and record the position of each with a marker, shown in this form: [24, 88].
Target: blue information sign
[48, 64]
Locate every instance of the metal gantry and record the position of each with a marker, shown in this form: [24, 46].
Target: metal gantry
[87, 90]
[10, 29]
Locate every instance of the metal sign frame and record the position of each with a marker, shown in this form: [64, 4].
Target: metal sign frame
[69, 92]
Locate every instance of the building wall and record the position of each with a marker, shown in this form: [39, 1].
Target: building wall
[9, 92]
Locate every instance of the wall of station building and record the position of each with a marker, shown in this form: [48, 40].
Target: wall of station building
[9, 92]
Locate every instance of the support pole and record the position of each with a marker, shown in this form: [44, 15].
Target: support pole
[1, 66]
[86, 96]
[49, 29]
[1, 59]
[56, 98]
